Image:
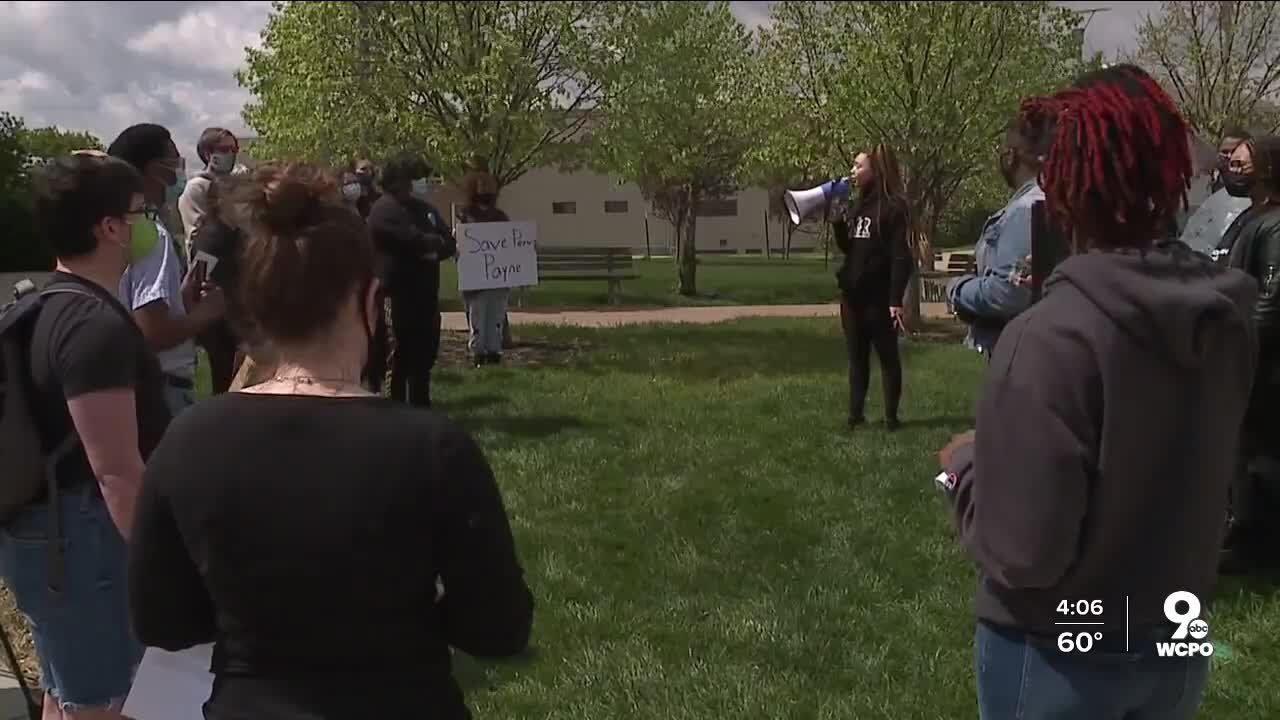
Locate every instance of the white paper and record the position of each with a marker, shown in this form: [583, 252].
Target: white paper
[497, 255]
[210, 262]
[171, 686]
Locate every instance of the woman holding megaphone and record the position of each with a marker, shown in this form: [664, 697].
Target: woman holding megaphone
[871, 231]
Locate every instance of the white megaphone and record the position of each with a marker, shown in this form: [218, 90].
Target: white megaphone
[800, 203]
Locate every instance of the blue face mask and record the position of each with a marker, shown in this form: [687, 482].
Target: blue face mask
[174, 191]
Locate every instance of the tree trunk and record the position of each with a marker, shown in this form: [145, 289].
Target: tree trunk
[689, 255]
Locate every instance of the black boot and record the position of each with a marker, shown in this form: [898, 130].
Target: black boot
[891, 424]
[856, 420]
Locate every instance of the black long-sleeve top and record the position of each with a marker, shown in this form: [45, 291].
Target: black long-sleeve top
[410, 238]
[873, 235]
[306, 535]
[1253, 244]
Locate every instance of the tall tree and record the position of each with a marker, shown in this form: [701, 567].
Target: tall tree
[1220, 60]
[512, 82]
[52, 141]
[20, 247]
[679, 124]
[937, 80]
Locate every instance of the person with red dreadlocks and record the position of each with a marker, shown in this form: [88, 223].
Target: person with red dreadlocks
[1107, 428]
[1253, 244]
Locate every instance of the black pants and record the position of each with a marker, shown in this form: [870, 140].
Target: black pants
[375, 373]
[865, 327]
[1255, 497]
[415, 323]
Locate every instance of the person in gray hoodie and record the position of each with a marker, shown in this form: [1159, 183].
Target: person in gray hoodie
[1096, 482]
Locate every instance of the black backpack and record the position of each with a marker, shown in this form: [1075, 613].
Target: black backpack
[27, 469]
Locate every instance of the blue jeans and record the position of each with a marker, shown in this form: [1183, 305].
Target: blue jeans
[1027, 678]
[87, 651]
[486, 314]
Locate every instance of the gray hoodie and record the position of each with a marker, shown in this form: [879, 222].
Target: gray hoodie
[1106, 439]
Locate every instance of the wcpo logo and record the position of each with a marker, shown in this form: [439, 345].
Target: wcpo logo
[1183, 609]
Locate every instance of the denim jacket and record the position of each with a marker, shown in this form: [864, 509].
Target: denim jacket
[989, 299]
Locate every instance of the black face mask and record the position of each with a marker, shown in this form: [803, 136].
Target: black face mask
[1238, 184]
[364, 178]
[486, 198]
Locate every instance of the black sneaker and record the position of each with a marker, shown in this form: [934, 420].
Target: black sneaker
[479, 360]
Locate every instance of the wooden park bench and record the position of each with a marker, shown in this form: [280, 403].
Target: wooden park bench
[933, 282]
[610, 264]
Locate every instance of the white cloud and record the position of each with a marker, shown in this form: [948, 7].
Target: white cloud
[202, 38]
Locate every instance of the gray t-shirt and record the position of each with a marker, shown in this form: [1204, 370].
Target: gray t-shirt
[158, 277]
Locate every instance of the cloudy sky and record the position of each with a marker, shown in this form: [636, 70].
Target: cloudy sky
[101, 66]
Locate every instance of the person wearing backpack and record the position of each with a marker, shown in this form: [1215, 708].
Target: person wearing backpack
[83, 408]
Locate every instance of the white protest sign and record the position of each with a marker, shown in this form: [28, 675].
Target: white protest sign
[497, 255]
[171, 685]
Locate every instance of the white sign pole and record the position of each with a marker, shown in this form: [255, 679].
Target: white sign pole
[497, 255]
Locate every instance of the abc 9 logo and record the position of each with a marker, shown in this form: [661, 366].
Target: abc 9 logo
[1188, 622]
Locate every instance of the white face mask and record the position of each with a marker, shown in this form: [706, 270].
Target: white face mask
[222, 163]
[420, 188]
[352, 191]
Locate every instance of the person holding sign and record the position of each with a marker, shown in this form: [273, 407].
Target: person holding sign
[487, 308]
[411, 239]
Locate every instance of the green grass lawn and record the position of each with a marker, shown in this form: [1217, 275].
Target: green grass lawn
[722, 280]
[706, 540]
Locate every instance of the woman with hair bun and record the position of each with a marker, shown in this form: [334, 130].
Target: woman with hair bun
[324, 537]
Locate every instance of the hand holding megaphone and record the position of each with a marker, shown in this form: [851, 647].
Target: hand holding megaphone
[802, 203]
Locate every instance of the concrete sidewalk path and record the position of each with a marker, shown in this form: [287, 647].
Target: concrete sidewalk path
[697, 315]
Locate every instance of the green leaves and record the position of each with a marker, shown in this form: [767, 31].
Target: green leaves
[937, 80]
[512, 82]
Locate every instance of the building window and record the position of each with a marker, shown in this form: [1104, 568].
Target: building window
[615, 206]
[724, 242]
[718, 208]
[564, 208]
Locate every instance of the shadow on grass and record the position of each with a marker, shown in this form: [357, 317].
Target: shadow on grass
[477, 674]
[469, 403]
[531, 426]
[727, 352]
[959, 423]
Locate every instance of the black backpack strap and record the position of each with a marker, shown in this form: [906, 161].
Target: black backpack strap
[68, 445]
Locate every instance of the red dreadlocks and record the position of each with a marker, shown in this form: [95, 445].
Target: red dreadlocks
[1120, 163]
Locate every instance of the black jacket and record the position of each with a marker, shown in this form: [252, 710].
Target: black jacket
[1253, 241]
[1107, 431]
[877, 258]
[410, 239]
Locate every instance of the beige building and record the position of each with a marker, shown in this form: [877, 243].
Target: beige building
[584, 208]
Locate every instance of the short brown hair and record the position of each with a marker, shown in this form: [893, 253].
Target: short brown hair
[305, 251]
[208, 139]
